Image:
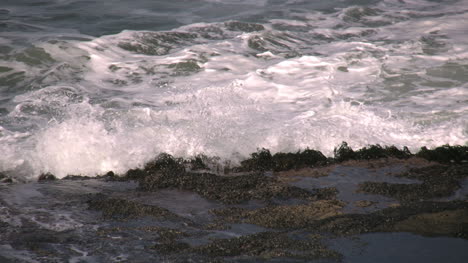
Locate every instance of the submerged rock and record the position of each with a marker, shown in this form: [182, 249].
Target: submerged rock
[418, 218]
[364, 203]
[156, 43]
[437, 181]
[243, 26]
[444, 223]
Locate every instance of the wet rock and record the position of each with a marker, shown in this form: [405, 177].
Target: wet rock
[5, 179]
[185, 68]
[170, 247]
[198, 162]
[34, 56]
[451, 223]
[305, 172]
[109, 174]
[364, 203]
[263, 160]
[285, 216]
[163, 163]
[228, 189]
[243, 26]
[418, 218]
[77, 177]
[437, 181]
[357, 14]
[345, 153]
[167, 239]
[124, 209]
[46, 177]
[40, 239]
[445, 154]
[156, 43]
[267, 245]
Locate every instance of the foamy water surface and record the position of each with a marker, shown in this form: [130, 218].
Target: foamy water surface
[86, 99]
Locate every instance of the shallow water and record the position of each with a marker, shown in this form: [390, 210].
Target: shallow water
[401, 247]
[346, 179]
[87, 87]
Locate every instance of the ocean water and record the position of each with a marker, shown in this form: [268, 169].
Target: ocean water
[92, 86]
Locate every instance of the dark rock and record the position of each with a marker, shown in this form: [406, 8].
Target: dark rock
[345, 153]
[134, 174]
[170, 247]
[46, 177]
[227, 189]
[185, 68]
[124, 209]
[198, 163]
[437, 181]
[164, 163]
[262, 160]
[5, 179]
[77, 177]
[156, 43]
[267, 245]
[423, 218]
[109, 174]
[445, 154]
[284, 216]
[364, 203]
[243, 26]
[306, 158]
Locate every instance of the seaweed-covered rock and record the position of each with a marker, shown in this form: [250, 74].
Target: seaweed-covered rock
[301, 159]
[364, 203]
[167, 241]
[445, 154]
[263, 160]
[227, 189]
[185, 68]
[156, 43]
[124, 209]
[437, 181]
[163, 163]
[344, 153]
[451, 222]
[418, 218]
[267, 245]
[284, 216]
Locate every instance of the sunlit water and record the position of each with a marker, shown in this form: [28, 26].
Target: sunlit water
[90, 87]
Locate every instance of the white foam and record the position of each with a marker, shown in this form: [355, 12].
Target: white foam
[124, 108]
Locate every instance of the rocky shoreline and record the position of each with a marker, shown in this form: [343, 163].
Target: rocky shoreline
[280, 202]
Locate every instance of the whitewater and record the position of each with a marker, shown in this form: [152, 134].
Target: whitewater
[225, 78]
